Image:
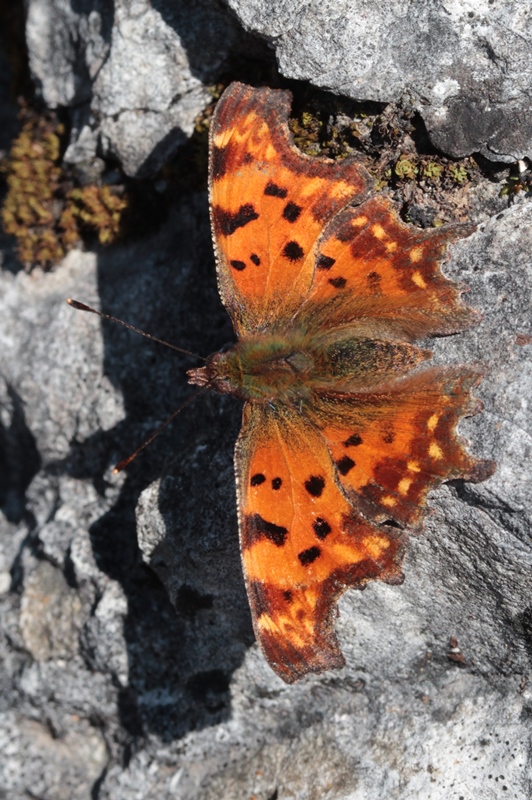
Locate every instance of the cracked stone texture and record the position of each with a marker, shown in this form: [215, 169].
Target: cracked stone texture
[134, 73]
[465, 65]
[117, 684]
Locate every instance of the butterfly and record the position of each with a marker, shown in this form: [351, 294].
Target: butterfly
[344, 432]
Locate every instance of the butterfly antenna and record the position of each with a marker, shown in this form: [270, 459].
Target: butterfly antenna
[83, 307]
[127, 461]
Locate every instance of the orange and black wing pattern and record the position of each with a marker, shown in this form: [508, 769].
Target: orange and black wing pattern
[329, 478]
[302, 541]
[269, 205]
[394, 443]
[372, 266]
[316, 503]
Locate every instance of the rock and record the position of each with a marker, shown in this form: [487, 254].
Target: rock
[465, 67]
[56, 768]
[50, 614]
[134, 73]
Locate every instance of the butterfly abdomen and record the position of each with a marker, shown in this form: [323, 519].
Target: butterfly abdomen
[347, 362]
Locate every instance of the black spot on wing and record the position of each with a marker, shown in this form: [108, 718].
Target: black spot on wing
[227, 222]
[257, 479]
[310, 555]
[374, 280]
[288, 596]
[353, 441]
[272, 190]
[255, 259]
[389, 437]
[315, 485]
[276, 483]
[325, 262]
[238, 265]
[293, 251]
[345, 465]
[321, 528]
[257, 528]
[338, 283]
[219, 159]
[291, 211]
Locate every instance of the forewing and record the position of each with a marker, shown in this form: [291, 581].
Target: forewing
[392, 445]
[374, 268]
[269, 204]
[302, 540]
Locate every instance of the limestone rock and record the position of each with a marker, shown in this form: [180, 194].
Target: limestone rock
[465, 66]
[134, 73]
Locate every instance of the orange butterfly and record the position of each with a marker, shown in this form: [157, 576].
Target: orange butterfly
[339, 446]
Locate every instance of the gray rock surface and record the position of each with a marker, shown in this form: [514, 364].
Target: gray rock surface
[465, 66]
[134, 73]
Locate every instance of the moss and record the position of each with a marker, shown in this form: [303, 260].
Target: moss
[406, 169]
[95, 208]
[432, 170]
[459, 173]
[519, 180]
[42, 209]
[308, 130]
[33, 177]
[391, 142]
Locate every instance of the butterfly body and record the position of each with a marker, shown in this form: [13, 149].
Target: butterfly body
[343, 433]
[292, 367]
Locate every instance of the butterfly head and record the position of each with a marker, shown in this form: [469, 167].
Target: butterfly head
[221, 373]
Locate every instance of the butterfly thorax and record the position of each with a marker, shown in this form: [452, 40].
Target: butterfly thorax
[289, 367]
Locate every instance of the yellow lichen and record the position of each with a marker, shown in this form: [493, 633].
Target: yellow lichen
[95, 208]
[41, 209]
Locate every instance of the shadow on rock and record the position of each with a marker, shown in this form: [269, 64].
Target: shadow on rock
[19, 459]
[181, 657]
[216, 43]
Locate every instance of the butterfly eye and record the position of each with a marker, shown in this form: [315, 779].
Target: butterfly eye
[223, 385]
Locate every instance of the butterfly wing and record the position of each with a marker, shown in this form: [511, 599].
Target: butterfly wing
[372, 268]
[312, 502]
[269, 204]
[391, 445]
[302, 540]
